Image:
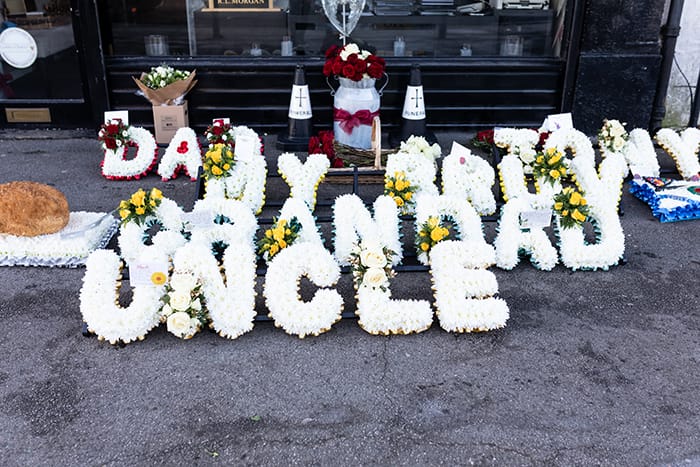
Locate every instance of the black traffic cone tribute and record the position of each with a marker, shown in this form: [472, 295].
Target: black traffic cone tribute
[413, 116]
[296, 138]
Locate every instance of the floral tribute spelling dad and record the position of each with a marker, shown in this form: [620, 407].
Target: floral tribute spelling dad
[199, 268]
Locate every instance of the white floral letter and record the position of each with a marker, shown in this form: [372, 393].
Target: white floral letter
[303, 179]
[182, 152]
[352, 219]
[281, 290]
[464, 289]
[99, 301]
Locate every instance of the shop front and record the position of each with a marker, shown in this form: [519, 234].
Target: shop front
[497, 63]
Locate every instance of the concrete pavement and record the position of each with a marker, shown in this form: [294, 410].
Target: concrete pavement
[593, 367]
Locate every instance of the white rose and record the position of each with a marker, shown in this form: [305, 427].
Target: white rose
[374, 277]
[180, 300]
[618, 143]
[372, 258]
[167, 310]
[183, 281]
[196, 304]
[528, 157]
[616, 129]
[180, 324]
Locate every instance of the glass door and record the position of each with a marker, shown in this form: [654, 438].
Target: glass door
[41, 72]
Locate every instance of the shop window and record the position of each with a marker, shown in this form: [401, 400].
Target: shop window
[275, 28]
[37, 43]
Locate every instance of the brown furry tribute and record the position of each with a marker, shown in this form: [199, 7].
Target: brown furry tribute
[29, 209]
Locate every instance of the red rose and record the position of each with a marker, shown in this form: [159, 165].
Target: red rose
[217, 130]
[110, 143]
[348, 71]
[314, 145]
[332, 51]
[337, 67]
[485, 136]
[328, 68]
[112, 128]
[360, 67]
[375, 71]
[352, 59]
[337, 163]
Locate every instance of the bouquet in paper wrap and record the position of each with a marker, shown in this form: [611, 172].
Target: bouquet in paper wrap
[164, 85]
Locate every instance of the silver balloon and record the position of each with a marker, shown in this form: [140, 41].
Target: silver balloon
[343, 14]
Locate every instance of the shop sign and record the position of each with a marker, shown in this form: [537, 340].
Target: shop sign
[239, 5]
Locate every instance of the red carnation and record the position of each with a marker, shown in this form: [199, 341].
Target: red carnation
[337, 163]
[110, 143]
[337, 66]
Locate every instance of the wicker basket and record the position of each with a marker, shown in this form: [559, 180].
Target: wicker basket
[361, 157]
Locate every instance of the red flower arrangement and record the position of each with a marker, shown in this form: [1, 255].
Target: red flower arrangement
[323, 144]
[353, 63]
[219, 133]
[114, 134]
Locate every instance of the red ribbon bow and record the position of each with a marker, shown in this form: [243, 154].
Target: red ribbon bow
[349, 121]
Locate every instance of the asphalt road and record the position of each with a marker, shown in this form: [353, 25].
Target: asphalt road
[593, 367]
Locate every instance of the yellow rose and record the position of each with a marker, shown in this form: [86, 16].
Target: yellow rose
[274, 249]
[389, 185]
[408, 195]
[268, 233]
[575, 198]
[124, 213]
[554, 174]
[123, 204]
[539, 159]
[583, 201]
[558, 205]
[433, 222]
[137, 199]
[551, 151]
[156, 193]
[578, 216]
[227, 166]
[424, 246]
[398, 201]
[140, 211]
[554, 160]
[278, 233]
[216, 170]
[562, 170]
[215, 156]
[282, 244]
[565, 212]
[436, 235]
[399, 185]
